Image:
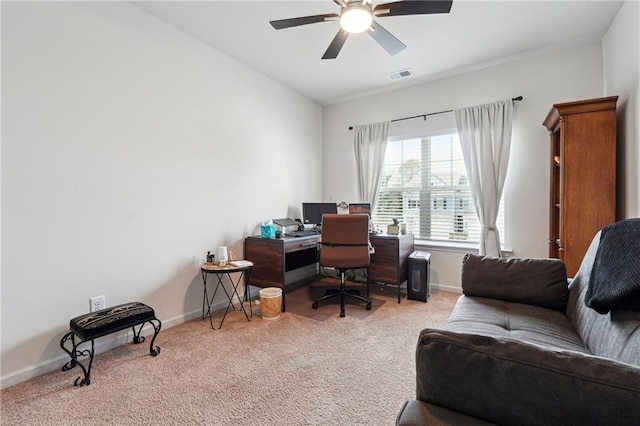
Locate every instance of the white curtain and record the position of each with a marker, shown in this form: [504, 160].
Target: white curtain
[369, 144]
[485, 137]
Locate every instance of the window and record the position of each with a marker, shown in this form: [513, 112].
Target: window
[424, 183]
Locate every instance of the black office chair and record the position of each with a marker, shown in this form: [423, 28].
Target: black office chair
[344, 245]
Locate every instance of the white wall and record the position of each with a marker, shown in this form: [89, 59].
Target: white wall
[560, 76]
[128, 150]
[621, 45]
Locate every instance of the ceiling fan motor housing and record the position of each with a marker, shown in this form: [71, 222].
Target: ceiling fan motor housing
[356, 17]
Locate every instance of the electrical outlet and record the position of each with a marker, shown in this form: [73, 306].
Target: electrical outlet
[96, 303]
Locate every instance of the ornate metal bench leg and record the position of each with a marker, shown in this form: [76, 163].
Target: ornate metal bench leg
[75, 353]
[72, 363]
[87, 371]
[137, 338]
[155, 351]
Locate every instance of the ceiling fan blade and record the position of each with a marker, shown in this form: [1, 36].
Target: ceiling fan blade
[424, 7]
[385, 39]
[303, 20]
[336, 45]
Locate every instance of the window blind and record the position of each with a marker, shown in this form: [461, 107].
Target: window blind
[424, 184]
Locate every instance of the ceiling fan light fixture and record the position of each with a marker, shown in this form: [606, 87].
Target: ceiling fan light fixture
[356, 19]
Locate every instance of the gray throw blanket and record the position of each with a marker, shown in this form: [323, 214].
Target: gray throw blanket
[615, 277]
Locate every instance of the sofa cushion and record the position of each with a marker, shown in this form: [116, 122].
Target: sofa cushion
[498, 318]
[540, 282]
[105, 321]
[506, 381]
[614, 335]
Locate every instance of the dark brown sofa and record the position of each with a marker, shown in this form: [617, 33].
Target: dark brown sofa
[523, 348]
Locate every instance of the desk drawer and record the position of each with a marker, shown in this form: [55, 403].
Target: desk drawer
[383, 269]
[389, 262]
[268, 264]
[299, 245]
[385, 247]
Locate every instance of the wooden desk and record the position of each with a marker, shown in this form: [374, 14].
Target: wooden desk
[273, 258]
[388, 264]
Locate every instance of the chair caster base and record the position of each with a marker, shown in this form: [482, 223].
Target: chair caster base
[344, 294]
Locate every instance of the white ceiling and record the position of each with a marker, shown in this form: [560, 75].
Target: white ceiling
[474, 35]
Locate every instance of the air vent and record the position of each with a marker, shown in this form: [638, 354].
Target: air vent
[400, 74]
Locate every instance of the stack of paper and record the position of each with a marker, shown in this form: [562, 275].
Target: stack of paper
[241, 263]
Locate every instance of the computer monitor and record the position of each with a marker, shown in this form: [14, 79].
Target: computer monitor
[361, 208]
[312, 212]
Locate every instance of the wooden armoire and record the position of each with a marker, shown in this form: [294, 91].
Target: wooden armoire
[583, 176]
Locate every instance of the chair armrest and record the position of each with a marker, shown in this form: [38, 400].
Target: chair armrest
[507, 381]
[540, 282]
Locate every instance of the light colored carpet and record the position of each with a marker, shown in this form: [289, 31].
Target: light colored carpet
[304, 368]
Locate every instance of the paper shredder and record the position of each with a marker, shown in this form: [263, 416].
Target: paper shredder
[418, 276]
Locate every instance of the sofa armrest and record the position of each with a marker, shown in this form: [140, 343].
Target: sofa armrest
[506, 381]
[540, 282]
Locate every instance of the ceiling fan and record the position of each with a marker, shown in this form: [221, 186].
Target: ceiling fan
[356, 16]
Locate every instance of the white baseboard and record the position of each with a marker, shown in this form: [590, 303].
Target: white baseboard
[447, 288]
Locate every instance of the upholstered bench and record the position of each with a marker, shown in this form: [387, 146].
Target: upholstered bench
[100, 323]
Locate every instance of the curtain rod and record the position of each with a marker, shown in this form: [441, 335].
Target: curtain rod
[518, 98]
